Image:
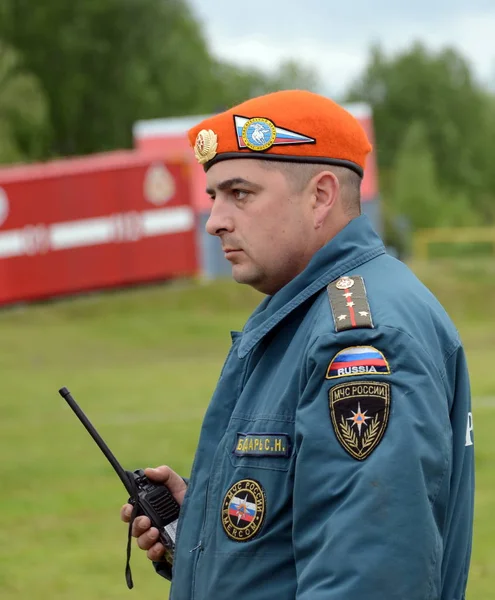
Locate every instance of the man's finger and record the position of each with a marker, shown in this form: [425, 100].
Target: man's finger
[148, 539]
[125, 513]
[140, 526]
[156, 551]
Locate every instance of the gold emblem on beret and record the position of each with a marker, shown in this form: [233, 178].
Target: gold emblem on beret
[206, 146]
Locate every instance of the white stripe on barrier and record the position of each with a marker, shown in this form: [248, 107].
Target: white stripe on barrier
[167, 220]
[11, 243]
[119, 227]
[86, 232]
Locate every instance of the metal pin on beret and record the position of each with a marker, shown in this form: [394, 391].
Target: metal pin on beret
[292, 125]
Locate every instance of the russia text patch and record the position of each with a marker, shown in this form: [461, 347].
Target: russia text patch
[360, 412]
[262, 444]
[243, 510]
[358, 360]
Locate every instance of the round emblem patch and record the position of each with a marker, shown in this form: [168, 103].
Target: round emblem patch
[344, 283]
[243, 510]
[259, 134]
[159, 185]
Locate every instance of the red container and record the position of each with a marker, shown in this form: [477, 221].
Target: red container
[88, 223]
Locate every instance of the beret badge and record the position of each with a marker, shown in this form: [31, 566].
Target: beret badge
[206, 146]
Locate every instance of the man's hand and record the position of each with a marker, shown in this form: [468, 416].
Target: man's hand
[146, 535]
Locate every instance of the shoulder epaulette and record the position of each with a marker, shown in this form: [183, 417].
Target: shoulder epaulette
[349, 303]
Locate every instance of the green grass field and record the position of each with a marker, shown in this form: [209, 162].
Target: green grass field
[142, 364]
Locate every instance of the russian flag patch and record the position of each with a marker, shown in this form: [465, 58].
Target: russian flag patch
[358, 360]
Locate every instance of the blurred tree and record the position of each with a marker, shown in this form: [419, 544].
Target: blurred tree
[437, 90]
[23, 114]
[292, 75]
[416, 194]
[416, 200]
[102, 64]
[234, 84]
[485, 155]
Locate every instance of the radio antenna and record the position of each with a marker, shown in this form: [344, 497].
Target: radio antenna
[64, 392]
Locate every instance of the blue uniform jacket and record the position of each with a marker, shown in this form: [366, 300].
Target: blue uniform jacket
[335, 465]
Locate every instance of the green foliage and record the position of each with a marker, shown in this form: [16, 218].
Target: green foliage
[416, 191]
[437, 91]
[23, 114]
[291, 75]
[101, 65]
[434, 88]
[235, 84]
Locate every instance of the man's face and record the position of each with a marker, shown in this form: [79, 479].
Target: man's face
[266, 229]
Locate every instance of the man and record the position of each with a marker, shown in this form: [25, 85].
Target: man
[336, 456]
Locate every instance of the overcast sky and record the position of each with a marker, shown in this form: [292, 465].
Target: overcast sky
[333, 36]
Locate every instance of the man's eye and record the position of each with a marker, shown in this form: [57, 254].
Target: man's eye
[239, 194]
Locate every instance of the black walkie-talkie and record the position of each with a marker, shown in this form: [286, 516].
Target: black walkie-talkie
[148, 498]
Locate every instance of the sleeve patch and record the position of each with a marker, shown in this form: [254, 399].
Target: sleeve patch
[349, 304]
[360, 412]
[358, 360]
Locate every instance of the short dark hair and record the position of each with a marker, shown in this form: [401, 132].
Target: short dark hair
[300, 174]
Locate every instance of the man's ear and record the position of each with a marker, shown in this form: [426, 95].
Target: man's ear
[325, 193]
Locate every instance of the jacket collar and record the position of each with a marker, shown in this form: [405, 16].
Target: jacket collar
[356, 244]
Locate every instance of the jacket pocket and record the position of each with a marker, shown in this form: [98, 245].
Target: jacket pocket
[249, 495]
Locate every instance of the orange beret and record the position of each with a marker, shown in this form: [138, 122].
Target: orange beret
[293, 125]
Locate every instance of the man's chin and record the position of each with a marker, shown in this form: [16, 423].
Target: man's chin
[242, 275]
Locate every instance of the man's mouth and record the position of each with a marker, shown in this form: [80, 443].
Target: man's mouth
[228, 252]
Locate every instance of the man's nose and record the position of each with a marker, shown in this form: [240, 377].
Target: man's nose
[219, 220]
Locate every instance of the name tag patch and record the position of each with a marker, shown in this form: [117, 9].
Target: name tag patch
[262, 444]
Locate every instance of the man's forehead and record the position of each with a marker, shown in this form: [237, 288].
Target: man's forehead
[249, 170]
[233, 167]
